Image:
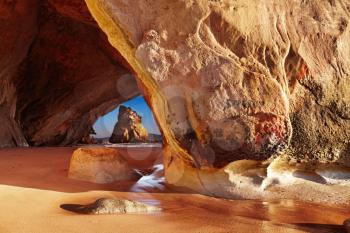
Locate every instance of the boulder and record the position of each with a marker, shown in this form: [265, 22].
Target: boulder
[129, 127]
[100, 165]
[111, 206]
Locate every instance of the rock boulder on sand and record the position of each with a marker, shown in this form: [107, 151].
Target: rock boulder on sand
[100, 165]
[129, 127]
[111, 206]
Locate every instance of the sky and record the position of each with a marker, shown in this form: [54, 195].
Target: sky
[104, 125]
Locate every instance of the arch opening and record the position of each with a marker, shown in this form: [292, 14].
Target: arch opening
[135, 109]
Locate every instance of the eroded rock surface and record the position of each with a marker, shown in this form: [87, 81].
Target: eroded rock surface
[238, 80]
[129, 127]
[222, 74]
[100, 165]
[111, 206]
[227, 80]
[58, 73]
[18, 27]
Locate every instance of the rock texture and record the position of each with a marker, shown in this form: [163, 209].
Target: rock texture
[227, 80]
[18, 27]
[99, 165]
[88, 138]
[58, 73]
[225, 77]
[238, 79]
[129, 127]
[111, 206]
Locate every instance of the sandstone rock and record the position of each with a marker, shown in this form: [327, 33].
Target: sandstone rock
[227, 80]
[18, 27]
[84, 81]
[218, 83]
[129, 127]
[111, 206]
[87, 76]
[88, 139]
[99, 165]
[238, 80]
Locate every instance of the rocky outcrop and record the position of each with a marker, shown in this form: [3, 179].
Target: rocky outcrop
[221, 83]
[58, 73]
[238, 79]
[111, 206]
[129, 127]
[84, 82]
[100, 165]
[227, 80]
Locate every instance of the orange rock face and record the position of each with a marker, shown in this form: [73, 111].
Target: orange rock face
[99, 165]
[227, 80]
[231, 83]
[129, 127]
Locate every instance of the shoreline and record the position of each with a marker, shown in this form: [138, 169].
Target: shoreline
[34, 183]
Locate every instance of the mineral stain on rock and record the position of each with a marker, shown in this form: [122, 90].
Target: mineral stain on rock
[111, 206]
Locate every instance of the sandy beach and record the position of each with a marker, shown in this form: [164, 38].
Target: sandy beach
[34, 183]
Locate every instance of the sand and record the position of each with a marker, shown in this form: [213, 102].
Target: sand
[34, 183]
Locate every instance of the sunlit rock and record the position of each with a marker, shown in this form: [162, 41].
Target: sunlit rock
[99, 165]
[111, 206]
[238, 80]
[218, 84]
[228, 82]
[129, 127]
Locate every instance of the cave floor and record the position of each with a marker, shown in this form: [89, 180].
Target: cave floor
[34, 183]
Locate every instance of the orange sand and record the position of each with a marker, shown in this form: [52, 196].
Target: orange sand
[34, 183]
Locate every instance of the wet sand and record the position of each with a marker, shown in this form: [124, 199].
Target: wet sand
[34, 183]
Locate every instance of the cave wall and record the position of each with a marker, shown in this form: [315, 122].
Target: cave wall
[59, 73]
[217, 70]
[84, 81]
[227, 80]
[18, 27]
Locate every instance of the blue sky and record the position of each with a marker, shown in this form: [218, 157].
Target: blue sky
[105, 124]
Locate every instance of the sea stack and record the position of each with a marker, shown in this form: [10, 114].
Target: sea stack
[129, 128]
